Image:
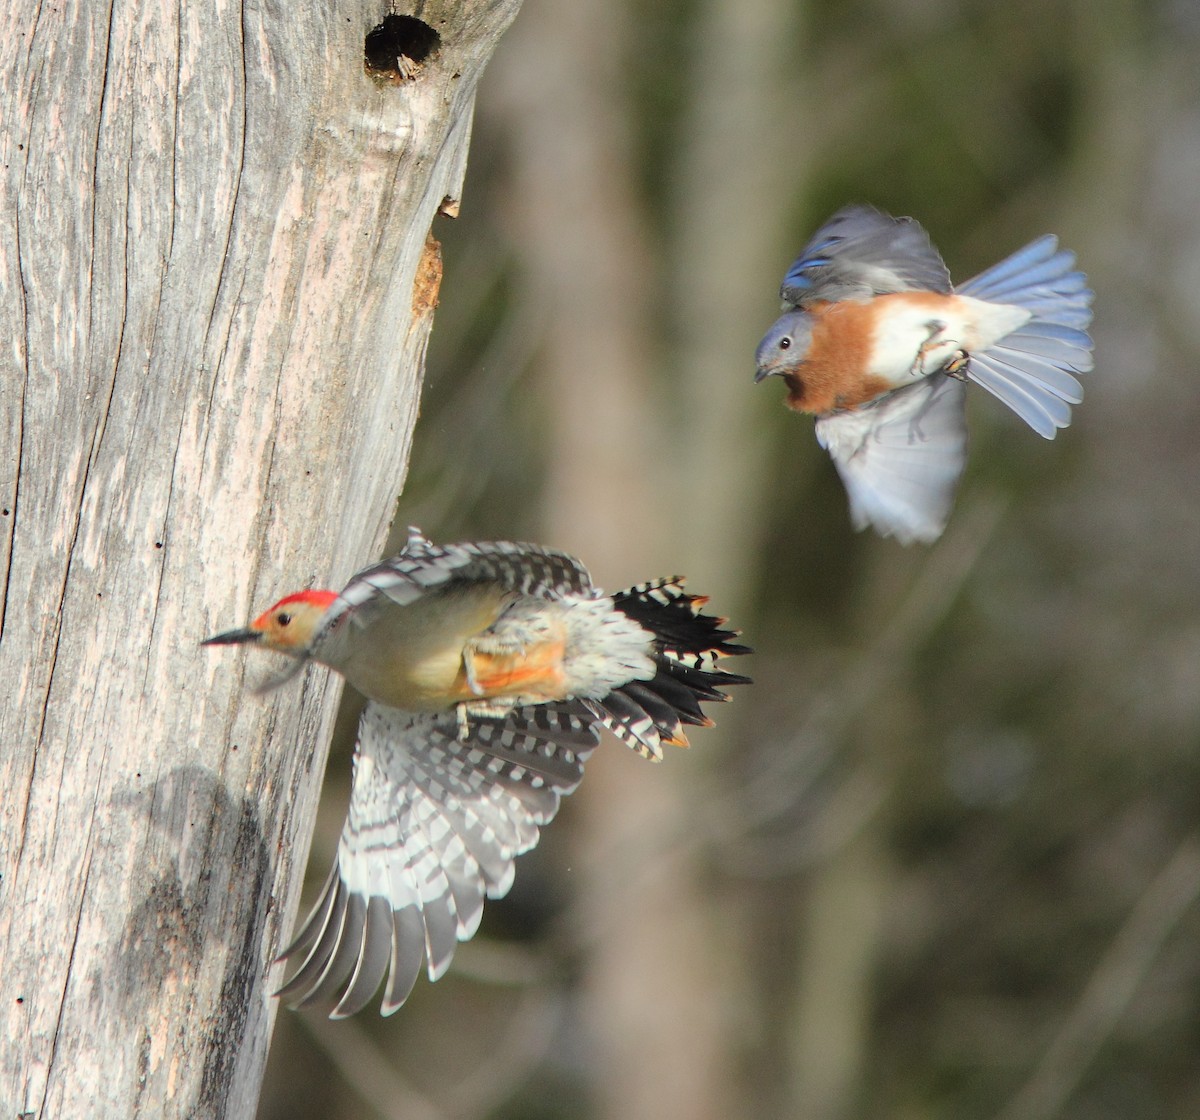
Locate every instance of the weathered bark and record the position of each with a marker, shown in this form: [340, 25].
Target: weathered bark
[218, 283]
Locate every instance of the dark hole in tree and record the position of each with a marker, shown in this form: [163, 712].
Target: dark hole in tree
[399, 46]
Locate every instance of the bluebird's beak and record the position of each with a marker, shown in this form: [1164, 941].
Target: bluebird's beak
[233, 638]
[767, 358]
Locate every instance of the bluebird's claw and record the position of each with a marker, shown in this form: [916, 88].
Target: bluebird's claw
[956, 367]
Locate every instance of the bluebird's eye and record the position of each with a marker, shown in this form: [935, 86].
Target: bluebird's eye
[283, 618]
[784, 342]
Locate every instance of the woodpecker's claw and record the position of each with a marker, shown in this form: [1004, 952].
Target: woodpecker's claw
[479, 709]
[462, 722]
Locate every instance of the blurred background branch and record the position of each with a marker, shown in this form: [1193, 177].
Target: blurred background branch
[1111, 987]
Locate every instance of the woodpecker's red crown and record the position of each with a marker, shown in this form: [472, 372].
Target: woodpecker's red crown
[288, 626]
[291, 623]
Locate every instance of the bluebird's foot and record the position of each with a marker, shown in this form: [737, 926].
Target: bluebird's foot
[927, 359]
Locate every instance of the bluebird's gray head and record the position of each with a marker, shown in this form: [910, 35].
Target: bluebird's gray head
[785, 345]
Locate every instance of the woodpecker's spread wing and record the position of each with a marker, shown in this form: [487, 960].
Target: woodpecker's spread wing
[434, 825]
[861, 252]
[900, 457]
[421, 566]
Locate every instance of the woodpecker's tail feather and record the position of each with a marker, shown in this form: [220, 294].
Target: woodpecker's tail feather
[688, 643]
[1032, 369]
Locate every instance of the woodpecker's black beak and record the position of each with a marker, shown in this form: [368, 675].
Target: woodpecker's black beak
[233, 638]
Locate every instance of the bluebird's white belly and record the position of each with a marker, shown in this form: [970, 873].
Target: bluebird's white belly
[916, 335]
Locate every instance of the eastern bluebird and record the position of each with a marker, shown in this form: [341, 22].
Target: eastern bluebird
[878, 345]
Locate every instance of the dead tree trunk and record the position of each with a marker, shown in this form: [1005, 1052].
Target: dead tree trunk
[218, 281]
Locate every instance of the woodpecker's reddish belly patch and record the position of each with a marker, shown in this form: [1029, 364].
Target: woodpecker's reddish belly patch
[535, 673]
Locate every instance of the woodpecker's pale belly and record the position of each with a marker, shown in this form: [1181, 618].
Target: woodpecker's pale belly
[412, 656]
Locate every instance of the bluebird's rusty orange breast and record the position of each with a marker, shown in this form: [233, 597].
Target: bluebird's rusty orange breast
[833, 374]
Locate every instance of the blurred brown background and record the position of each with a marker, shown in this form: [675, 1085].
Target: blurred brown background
[942, 860]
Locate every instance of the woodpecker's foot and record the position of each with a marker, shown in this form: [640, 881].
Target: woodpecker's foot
[496, 708]
[470, 672]
[521, 654]
[481, 651]
[463, 720]
[477, 709]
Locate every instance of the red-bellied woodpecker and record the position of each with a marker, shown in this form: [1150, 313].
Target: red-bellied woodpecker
[489, 669]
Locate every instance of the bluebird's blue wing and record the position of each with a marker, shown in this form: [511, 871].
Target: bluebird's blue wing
[861, 252]
[900, 457]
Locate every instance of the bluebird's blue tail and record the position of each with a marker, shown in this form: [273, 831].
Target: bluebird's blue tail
[1032, 369]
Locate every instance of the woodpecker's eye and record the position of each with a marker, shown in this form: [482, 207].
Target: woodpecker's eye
[283, 618]
[784, 342]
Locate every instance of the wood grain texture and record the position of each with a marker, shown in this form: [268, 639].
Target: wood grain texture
[217, 293]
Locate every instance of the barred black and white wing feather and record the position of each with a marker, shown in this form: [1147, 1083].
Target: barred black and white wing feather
[422, 566]
[434, 825]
